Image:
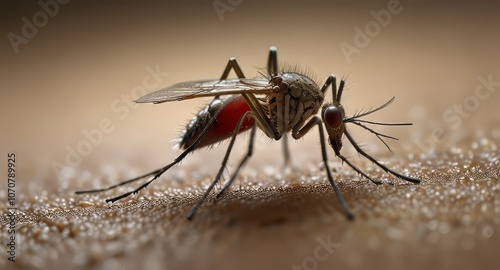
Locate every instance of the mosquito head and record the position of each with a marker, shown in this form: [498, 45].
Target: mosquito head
[332, 115]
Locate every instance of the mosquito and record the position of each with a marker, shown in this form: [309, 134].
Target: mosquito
[284, 101]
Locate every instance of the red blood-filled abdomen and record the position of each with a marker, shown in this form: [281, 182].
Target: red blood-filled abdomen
[233, 109]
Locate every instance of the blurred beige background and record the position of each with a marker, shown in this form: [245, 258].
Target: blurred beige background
[87, 60]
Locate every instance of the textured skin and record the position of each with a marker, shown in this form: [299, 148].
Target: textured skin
[273, 221]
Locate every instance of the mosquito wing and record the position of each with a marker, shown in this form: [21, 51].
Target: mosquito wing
[207, 88]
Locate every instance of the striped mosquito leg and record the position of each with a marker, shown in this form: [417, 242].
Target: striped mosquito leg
[286, 150]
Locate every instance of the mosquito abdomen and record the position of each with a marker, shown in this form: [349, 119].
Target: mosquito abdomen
[231, 110]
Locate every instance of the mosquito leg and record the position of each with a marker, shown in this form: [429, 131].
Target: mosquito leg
[385, 168]
[297, 134]
[286, 150]
[272, 62]
[143, 186]
[242, 162]
[354, 167]
[331, 80]
[265, 123]
[336, 94]
[191, 213]
[156, 173]
[119, 184]
[232, 64]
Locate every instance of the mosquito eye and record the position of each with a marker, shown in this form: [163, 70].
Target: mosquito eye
[332, 117]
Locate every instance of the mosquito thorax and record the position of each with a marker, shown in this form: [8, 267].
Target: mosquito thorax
[297, 84]
[296, 94]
